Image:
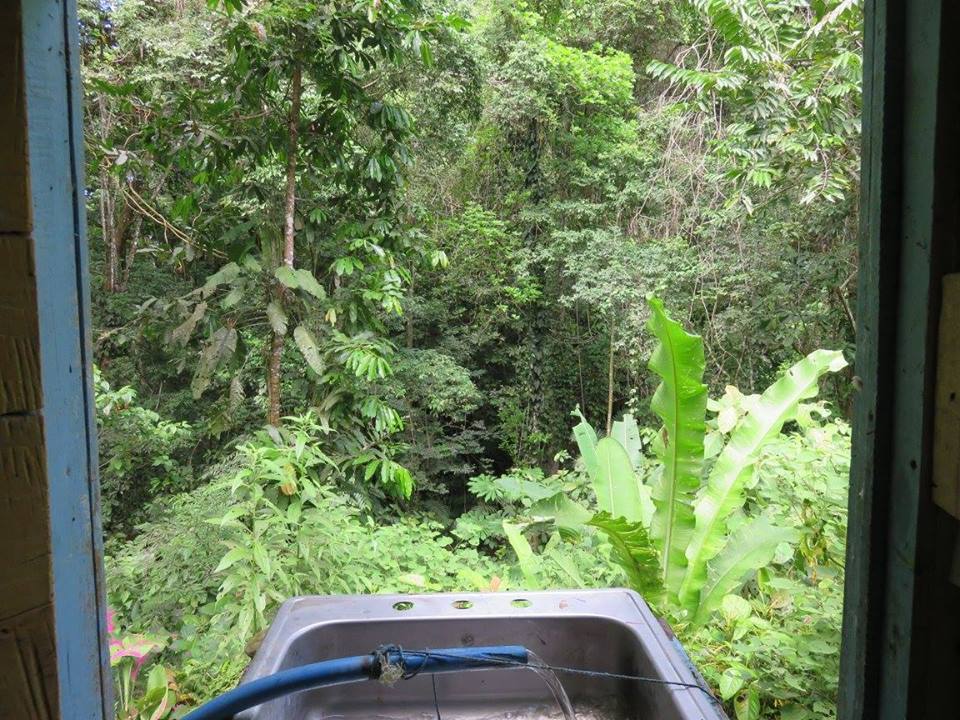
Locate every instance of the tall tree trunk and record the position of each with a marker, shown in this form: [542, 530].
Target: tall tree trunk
[108, 231]
[130, 253]
[108, 206]
[409, 318]
[610, 381]
[293, 133]
[290, 206]
[583, 395]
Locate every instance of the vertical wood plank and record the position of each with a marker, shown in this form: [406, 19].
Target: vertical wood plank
[14, 198]
[901, 643]
[946, 431]
[911, 385]
[861, 654]
[54, 140]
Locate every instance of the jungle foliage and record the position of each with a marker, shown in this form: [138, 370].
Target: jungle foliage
[355, 263]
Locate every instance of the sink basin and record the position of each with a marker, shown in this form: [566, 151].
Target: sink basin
[607, 630]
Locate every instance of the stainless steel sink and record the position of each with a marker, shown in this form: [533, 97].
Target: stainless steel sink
[606, 630]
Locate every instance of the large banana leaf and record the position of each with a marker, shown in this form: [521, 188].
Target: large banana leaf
[734, 467]
[618, 492]
[633, 552]
[750, 548]
[586, 438]
[526, 558]
[681, 403]
[615, 482]
[568, 515]
[627, 434]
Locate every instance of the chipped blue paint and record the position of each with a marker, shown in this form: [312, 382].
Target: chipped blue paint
[51, 68]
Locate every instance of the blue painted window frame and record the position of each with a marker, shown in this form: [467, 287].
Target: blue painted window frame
[50, 37]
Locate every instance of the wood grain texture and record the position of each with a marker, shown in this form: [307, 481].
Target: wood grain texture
[28, 660]
[19, 341]
[24, 517]
[14, 199]
[946, 439]
[28, 666]
[28, 683]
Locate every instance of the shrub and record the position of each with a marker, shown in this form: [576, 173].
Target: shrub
[141, 454]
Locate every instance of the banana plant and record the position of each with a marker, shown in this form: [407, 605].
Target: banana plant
[624, 501]
[687, 524]
[681, 403]
[613, 465]
[723, 494]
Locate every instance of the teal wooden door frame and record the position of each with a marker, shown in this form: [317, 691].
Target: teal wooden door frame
[897, 643]
[51, 68]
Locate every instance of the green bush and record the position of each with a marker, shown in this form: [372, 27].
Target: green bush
[211, 566]
[141, 454]
[774, 652]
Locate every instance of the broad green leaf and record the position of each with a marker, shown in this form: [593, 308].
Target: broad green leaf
[518, 487]
[228, 273]
[414, 579]
[307, 345]
[730, 683]
[747, 705]
[750, 548]
[566, 513]
[587, 442]
[287, 277]
[261, 558]
[306, 281]
[157, 679]
[734, 467]
[733, 607]
[555, 554]
[525, 555]
[680, 402]
[633, 552]
[232, 298]
[232, 556]
[615, 482]
[277, 318]
[627, 434]
[218, 350]
[182, 333]
[647, 508]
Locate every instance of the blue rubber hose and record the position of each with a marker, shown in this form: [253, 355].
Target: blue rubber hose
[354, 669]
